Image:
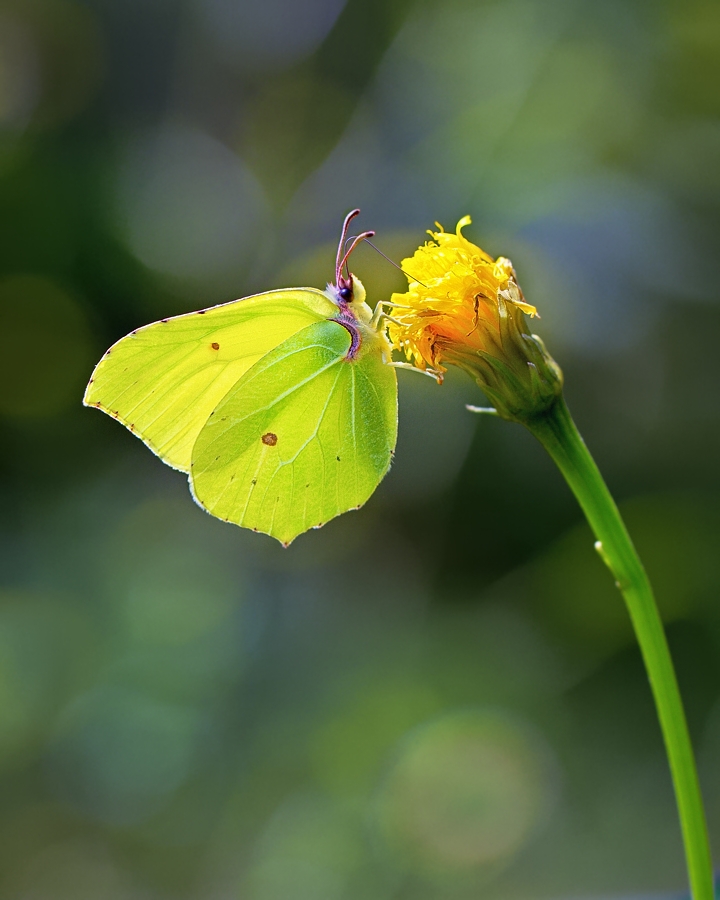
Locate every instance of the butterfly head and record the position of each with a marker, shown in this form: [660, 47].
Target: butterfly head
[344, 290]
[347, 291]
[349, 295]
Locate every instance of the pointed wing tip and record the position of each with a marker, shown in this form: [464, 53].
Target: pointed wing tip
[283, 538]
[286, 540]
[91, 403]
[90, 395]
[86, 394]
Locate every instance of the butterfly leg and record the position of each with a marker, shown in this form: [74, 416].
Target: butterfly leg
[380, 315]
[436, 376]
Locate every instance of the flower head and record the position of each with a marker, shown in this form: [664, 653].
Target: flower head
[465, 308]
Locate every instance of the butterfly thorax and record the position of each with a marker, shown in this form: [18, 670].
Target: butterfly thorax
[356, 316]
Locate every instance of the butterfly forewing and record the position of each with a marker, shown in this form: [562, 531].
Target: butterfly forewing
[163, 380]
[303, 436]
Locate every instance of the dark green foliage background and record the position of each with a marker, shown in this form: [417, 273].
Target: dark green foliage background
[437, 697]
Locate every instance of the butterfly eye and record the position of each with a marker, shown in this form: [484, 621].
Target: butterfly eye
[345, 293]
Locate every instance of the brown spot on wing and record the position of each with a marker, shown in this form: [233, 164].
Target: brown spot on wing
[215, 345]
[269, 438]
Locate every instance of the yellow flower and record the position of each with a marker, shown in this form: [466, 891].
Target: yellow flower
[465, 308]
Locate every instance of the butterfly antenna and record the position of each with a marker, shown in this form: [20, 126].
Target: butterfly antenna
[393, 263]
[355, 241]
[339, 258]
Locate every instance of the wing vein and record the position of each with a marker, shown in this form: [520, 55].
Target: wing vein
[313, 436]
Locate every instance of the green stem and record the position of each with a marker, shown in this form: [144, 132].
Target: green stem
[557, 432]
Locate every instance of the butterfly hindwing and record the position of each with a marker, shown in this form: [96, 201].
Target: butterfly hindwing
[304, 435]
[163, 380]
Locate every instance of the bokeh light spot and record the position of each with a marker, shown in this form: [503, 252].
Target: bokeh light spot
[74, 869]
[173, 586]
[43, 654]
[191, 209]
[348, 750]
[310, 849]
[176, 598]
[466, 791]
[119, 755]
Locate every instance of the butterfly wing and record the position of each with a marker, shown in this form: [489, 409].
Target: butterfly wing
[304, 435]
[163, 380]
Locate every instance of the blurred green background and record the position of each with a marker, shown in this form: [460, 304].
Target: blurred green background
[437, 697]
